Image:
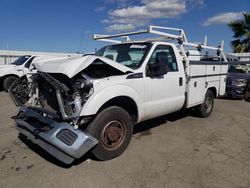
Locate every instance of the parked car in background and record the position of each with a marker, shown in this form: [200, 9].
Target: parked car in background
[22, 66]
[238, 79]
[10, 72]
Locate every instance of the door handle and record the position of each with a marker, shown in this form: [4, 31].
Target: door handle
[180, 81]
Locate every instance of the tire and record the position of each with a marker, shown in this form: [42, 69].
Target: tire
[8, 81]
[113, 127]
[206, 108]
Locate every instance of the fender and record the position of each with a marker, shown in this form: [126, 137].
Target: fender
[95, 102]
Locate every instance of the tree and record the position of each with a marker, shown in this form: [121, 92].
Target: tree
[241, 29]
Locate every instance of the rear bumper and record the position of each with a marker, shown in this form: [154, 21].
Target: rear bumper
[59, 139]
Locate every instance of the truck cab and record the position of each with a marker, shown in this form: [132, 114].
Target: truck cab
[156, 68]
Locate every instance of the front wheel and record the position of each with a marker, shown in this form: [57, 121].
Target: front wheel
[113, 127]
[206, 108]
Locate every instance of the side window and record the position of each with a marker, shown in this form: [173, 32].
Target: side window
[27, 65]
[164, 54]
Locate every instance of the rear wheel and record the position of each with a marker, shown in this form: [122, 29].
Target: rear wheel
[8, 81]
[113, 127]
[206, 108]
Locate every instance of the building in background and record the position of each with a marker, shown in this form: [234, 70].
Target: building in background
[8, 56]
[242, 56]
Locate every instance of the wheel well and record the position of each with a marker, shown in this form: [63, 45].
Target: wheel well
[124, 102]
[4, 77]
[214, 91]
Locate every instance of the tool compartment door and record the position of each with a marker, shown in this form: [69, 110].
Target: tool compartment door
[196, 85]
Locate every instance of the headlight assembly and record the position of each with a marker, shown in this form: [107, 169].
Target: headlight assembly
[239, 82]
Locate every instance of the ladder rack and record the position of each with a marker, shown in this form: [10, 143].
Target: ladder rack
[163, 32]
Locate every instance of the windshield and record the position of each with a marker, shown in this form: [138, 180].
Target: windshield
[21, 60]
[239, 68]
[130, 55]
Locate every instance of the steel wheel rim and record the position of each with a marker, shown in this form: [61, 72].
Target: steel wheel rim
[113, 134]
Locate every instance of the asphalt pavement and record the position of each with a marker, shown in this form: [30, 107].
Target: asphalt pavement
[177, 150]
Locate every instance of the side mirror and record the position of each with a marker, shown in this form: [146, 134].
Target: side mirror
[157, 70]
[111, 57]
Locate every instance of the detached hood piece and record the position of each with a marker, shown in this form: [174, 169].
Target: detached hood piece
[73, 65]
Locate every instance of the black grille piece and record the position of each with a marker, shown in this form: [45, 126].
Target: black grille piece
[66, 136]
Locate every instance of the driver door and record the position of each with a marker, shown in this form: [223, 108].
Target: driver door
[165, 93]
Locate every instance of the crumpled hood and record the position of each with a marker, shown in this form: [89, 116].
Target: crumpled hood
[73, 65]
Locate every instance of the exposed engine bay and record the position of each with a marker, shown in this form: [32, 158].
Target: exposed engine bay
[58, 94]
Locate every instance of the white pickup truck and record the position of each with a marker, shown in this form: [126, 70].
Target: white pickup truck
[10, 72]
[91, 103]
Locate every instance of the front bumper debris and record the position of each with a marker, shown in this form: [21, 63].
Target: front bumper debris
[59, 139]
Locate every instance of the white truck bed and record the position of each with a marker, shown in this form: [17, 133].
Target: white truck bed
[202, 75]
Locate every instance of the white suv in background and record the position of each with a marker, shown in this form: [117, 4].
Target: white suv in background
[10, 72]
[22, 66]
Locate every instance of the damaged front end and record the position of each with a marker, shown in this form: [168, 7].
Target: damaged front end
[51, 102]
[50, 113]
[54, 92]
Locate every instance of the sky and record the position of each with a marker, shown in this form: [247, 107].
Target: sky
[69, 25]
